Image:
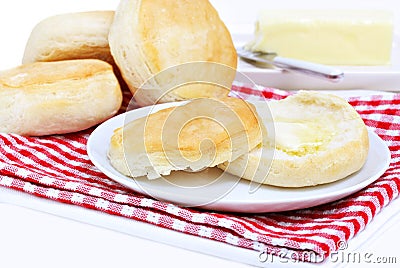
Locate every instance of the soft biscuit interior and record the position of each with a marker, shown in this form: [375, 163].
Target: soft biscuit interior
[317, 138]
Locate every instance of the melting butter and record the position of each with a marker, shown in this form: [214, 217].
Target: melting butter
[300, 138]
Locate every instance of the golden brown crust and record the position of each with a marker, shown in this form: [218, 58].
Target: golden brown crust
[340, 155]
[150, 36]
[173, 32]
[27, 75]
[47, 98]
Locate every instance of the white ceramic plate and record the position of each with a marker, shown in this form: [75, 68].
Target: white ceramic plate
[238, 198]
[355, 77]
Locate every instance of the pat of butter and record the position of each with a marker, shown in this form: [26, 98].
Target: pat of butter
[332, 37]
[300, 138]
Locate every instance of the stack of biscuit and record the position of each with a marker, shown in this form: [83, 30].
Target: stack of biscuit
[74, 66]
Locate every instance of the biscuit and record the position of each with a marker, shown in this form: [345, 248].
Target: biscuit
[46, 98]
[319, 138]
[151, 36]
[202, 133]
[82, 35]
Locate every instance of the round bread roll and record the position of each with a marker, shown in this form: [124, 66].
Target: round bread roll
[47, 98]
[319, 138]
[202, 133]
[70, 36]
[151, 36]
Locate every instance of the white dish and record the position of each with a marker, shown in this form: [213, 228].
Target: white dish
[238, 198]
[385, 78]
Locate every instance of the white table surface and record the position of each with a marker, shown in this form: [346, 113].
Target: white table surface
[31, 238]
[38, 238]
[45, 240]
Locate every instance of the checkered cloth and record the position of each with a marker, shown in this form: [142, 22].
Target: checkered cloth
[58, 168]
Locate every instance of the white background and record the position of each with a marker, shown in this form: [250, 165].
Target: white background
[33, 239]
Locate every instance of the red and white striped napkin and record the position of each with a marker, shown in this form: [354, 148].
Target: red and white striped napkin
[58, 168]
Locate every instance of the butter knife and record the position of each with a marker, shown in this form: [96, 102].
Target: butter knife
[265, 60]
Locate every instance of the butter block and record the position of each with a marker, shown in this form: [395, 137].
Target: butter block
[332, 37]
